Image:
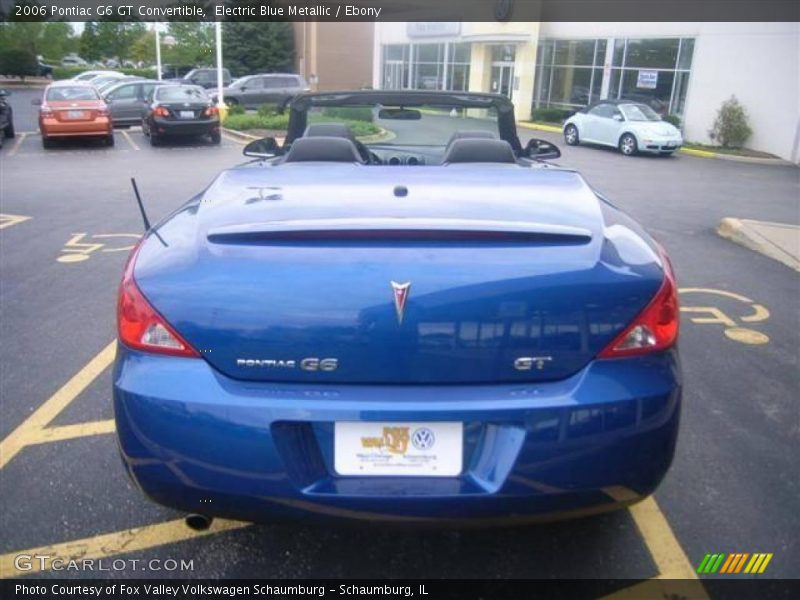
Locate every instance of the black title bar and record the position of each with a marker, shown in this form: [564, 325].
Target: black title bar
[401, 10]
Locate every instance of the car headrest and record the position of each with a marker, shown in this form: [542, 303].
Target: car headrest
[323, 149]
[479, 151]
[475, 134]
[329, 130]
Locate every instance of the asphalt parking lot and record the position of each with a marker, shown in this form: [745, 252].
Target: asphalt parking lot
[67, 219]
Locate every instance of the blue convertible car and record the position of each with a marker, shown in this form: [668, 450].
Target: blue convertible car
[398, 313]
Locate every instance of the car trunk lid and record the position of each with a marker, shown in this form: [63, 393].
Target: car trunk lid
[495, 274]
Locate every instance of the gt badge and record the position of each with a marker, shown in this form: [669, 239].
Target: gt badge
[401, 291]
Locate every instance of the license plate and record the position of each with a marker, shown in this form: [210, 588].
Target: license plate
[186, 114]
[391, 449]
[75, 114]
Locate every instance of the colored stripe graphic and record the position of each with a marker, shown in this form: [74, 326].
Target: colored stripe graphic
[734, 563]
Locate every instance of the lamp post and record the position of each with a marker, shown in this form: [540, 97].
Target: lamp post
[168, 41]
[221, 106]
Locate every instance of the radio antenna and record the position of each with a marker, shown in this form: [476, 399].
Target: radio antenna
[141, 206]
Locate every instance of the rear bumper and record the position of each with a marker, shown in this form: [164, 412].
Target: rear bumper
[188, 127]
[56, 128]
[197, 441]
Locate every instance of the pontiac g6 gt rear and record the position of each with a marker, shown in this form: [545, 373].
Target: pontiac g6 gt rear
[498, 342]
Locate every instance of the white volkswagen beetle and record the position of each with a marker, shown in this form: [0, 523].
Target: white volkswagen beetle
[630, 126]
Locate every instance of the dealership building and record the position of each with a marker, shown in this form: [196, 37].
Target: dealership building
[684, 69]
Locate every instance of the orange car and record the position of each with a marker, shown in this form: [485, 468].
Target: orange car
[73, 108]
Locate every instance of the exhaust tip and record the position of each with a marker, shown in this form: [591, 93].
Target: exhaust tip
[198, 522]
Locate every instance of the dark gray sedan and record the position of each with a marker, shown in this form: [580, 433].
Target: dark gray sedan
[269, 88]
[128, 99]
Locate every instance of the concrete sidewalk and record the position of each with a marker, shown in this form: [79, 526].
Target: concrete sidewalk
[779, 241]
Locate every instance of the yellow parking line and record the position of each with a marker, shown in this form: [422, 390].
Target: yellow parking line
[69, 432]
[18, 143]
[32, 427]
[128, 139]
[112, 544]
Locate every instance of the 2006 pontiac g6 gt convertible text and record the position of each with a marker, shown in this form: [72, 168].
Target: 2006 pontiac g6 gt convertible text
[401, 313]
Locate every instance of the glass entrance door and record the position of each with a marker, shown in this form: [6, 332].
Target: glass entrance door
[503, 79]
[502, 75]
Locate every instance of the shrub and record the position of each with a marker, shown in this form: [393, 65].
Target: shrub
[16, 62]
[673, 120]
[243, 122]
[551, 114]
[731, 129]
[268, 110]
[235, 109]
[349, 113]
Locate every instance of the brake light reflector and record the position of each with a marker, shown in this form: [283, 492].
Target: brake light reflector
[656, 327]
[211, 111]
[46, 111]
[140, 326]
[160, 111]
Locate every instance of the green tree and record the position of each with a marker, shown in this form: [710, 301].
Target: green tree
[144, 48]
[18, 62]
[57, 39]
[194, 44]
[115, 38]
[250, 47]
[90, 44]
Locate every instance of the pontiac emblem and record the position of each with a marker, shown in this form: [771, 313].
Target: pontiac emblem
[401, 291]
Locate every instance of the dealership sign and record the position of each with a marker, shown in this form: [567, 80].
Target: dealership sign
[647, 80]
[417, 29]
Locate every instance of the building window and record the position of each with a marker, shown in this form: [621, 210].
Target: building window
[396, 66]
[426, 66]
[569, 73]
[652, 71]
[459, 57]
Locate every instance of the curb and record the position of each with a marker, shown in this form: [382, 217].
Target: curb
[689, 151]
[753, 160]
[539, 127]
[245, 137]
[738, 230]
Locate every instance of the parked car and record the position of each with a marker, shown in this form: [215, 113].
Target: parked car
[45, 70]
[630, 126]
[73, 109]
[205, 78]
[73, 60]
[180, 110]
[128, 99]
[170, 72]
[335, 329]
[6, 117]
[90, 76]
[254, 90]
[109, 83]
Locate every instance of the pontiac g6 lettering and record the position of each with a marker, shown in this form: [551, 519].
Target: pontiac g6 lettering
[416, 325]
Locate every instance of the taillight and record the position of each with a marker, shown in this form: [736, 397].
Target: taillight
[160, 111]
[45, 111]
[102, 112]
[211, 111]
[140, 326]
[656, 327]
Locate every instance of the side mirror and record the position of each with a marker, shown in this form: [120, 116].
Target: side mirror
[264, 148]
[618, 118]
[36, 101]
[541, 150]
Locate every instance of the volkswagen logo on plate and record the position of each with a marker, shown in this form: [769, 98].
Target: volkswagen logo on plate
[423, 439]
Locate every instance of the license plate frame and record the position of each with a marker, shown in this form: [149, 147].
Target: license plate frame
[398, 449]
[186, 114]
[76, 115]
